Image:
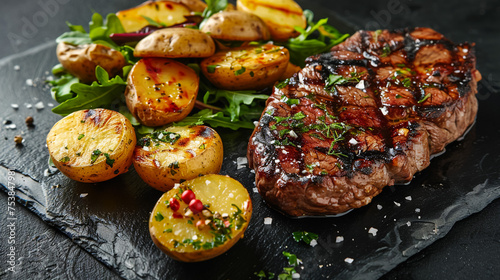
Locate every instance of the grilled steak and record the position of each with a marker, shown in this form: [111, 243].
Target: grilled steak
[368, 114]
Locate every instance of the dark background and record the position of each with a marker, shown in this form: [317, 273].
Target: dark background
[465, 253]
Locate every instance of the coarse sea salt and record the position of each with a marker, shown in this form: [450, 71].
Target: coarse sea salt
[83, 195]
[379, 207]
[373, 231]
[313, 243]
[339, 239]
[14, 106]
[397, 203]
[408, 198]
[29, 82]
[17, 67]
[349, 260]
[39, 105]
[268, 220]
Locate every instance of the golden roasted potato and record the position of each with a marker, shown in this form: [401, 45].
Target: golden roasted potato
[161, 91]
[167, 157]
[254, 67]
[290, 70]
[236, 26]
[193, 5]
[175, 43]
[82, 60]
[281, 16]
[92, 145]
[163, 12]
[201, 218]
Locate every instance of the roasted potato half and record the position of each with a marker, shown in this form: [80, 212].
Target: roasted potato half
[281, 16]
[92, 145]
[161, 91]
[201, 218]
[81, 60]
[170, 156]
[193, 5]
[254, 67]
[236, 26]
[175, 43]
[163, 12]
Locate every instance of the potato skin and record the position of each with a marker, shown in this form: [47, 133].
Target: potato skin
[246, 68]
[160, 91]
[175, 42]
[198, 150]
[73, 143]
[82, 60]
[281, 16]
[210, 189]
[167, 12]
[236, 26]
[193, 5]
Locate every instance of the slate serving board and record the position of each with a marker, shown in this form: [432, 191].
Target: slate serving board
[110, 219]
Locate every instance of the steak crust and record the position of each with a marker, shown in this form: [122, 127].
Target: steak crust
[368, 114]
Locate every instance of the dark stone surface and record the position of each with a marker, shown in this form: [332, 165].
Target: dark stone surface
[456, 184]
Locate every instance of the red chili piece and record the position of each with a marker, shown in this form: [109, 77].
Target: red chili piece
[177, 215]
[187, 196]
[196, 206]
[174, 204]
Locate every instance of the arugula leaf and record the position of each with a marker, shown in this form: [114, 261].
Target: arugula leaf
[61, 88]
[78, 28]
[75, 38]
[305, 236]
[207, 116]
[303, 46]
[234, 99]
[98, 94]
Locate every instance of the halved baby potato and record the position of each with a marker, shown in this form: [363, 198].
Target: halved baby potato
[170, 156]
[81, 60]
[161, 91]
[236, 26]
[175, 42]
[281, 16]
[163, 12]
[254, 67]
[201, 218]
[92, 145]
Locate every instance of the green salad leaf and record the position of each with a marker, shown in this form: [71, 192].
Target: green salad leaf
[99, 94]
[304, 45]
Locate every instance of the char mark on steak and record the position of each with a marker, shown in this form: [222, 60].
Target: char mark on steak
[368, 114]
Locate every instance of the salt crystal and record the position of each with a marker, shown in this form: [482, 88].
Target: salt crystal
[28, 105]
[373, 231]
[83, 195]
[339, 239]
[11, 126]
[361, 85]
[145, 148]
[408, 198]
[46, 173]
[348, 260]
[353, 141]
[230, 195]
[241, 162]
[29, 82]
[295, 275]
[39, 105]
[207, 182]
[14, 106]
[293, 134]
[17, 67]
[417, 210]
[408, 223]
[397, 203]
[268, 220]
[384, 111]
[160, 136]
[50, 104]
[379, 207]
[255, 123]
[255, 190]
[313, 243]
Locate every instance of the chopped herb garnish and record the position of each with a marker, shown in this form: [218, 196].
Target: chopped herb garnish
[159, 217]
[283, 84]
[424, 98]
[64, 159]
[78, 154]
[398, 96]
[168, 230]
[252, 74]
[81, 136]
[386, 50]
[109, 161]
[202, 146]
[305, 236]
[95, 155]
[406, 82]
[241, 71]
[299, 116]
[211, 68]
